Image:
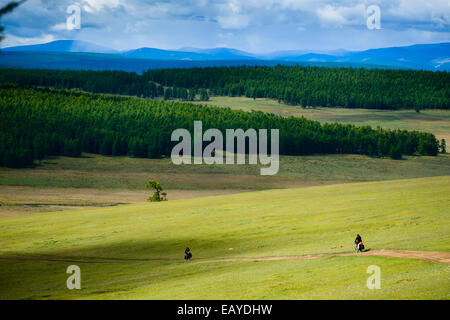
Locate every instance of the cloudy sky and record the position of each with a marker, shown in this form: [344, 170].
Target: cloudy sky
[258, 26]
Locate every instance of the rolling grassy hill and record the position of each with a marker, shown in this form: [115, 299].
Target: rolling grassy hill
[136, 251]
[94, 180]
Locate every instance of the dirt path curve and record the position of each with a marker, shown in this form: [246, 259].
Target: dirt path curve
[432, 256]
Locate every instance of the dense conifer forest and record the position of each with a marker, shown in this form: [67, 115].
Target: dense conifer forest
[296, 85]
[38, 122]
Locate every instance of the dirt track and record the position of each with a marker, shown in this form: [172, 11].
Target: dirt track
[431, 256]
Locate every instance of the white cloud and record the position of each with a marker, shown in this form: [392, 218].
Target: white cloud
[11, 40]
[431, 12]
[231, 16]
[59, 27]
[97, 5]
[330, 17]
[336, 17]
[237, 21]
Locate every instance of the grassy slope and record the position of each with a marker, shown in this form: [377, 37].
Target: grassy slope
[97, 180]
[406, 214]
[102, 172]
[435, 121]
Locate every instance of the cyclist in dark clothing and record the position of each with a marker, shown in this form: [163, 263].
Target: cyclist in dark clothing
[187, 254]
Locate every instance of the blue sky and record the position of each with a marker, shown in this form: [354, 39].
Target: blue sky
[258, 26]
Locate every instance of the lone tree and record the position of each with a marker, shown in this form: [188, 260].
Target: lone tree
[157, 195]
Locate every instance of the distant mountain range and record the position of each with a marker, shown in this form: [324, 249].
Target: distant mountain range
[75, 54]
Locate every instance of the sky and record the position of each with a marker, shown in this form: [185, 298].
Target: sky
[257, 26]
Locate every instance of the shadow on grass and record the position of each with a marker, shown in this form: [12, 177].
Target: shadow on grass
[131, 251]
[42, 275]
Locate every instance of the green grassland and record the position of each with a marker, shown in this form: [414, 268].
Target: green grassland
[103, 172]
[96, 180]
[315, 205]
[399, 214]
[435, 121]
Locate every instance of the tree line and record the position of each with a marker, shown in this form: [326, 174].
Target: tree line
[113, 82]
[38, 122]
[318, 86]
[296, 85]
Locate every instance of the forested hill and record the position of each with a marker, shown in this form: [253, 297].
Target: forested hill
[316, 86]
[37, 122]
[296, 85]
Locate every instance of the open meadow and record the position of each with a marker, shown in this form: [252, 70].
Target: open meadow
[136, 251]
[59, 183]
